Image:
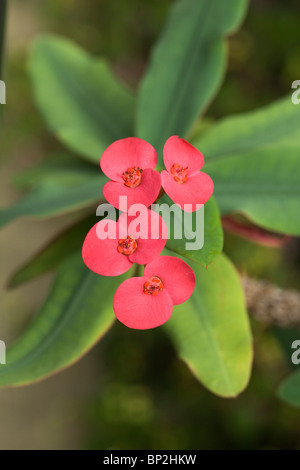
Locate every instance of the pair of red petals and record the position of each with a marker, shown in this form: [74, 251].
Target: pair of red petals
[115, 254]
[147, 302]
[130, 163]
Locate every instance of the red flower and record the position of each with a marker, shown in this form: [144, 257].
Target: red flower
[147, 302]
[115, 255]
[130, 164]
[183, 181]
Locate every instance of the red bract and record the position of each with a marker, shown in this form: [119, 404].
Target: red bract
[130, 164]
[183, 181]
[115, 255]
[147, 302]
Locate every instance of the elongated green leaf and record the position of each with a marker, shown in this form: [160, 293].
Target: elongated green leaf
[81, 100]
[211, 330]
[263, 184]
[77, 313]
[58, 168]
[186, 67]
[289, 390]
[276, 124]
[51, 199]
[55, 253]
[201, 229]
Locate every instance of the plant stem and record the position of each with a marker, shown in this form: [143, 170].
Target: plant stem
[3, 4]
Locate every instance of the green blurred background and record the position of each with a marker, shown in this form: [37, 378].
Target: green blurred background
[131, 392]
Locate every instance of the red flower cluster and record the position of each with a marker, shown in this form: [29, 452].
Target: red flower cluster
[146, 302]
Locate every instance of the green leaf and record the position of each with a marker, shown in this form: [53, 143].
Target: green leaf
[55, 253]
[186, 67]
[263, 184]
[254, 161]
[81, 100]
[272, 125]
[77, 313]
[289, 390]
[189, 224]
[211, 330]
[51, 199]
[57, 168]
